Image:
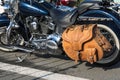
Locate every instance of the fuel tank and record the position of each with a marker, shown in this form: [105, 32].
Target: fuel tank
[32, 9]
[4, 20]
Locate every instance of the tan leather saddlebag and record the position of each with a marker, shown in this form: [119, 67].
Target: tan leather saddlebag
[85, 43]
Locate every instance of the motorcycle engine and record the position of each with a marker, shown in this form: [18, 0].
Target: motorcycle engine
[46, 43]
[41, 40]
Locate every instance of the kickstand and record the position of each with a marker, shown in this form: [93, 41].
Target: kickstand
[21, 58]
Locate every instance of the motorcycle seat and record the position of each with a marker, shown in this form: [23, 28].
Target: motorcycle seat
[67, 18]
[63, 18]
[84, 6]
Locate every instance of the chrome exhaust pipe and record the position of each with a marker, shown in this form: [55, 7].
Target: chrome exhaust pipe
[24, 49]
[14, 48]
[7, 48]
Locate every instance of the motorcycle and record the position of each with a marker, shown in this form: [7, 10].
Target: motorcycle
[87, 33]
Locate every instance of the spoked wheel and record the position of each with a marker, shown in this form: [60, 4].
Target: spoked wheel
[15, 39]
[111, 56]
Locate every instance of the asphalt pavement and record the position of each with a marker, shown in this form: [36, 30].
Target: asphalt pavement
[60, 65]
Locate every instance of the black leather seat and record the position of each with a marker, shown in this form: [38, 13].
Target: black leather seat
[66, 18]
[88, 4]
[63, 18]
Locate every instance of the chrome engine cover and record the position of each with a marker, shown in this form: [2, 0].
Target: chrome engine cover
[46, 43]
[41, 39]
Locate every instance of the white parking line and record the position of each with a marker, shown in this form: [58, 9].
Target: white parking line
[37, 73]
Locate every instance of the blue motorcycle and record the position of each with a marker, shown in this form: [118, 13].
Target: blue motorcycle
[89, 32]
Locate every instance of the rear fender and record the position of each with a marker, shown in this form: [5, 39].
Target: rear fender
[104, 14]
[114, 24]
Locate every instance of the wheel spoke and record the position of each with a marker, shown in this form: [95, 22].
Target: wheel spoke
[112, 56]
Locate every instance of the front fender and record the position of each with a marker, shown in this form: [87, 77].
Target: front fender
[104, 14]
[4, 20]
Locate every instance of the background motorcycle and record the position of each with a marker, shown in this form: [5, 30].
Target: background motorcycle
[38, 25]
